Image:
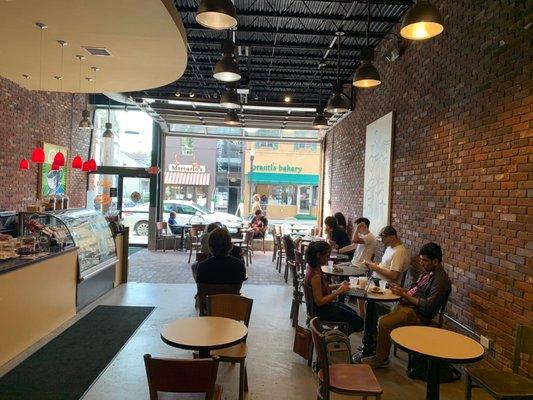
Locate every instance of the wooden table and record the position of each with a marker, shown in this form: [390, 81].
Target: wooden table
[204, 334]
[437, 345]
[347, 270]
[237, 241]
[370, 313]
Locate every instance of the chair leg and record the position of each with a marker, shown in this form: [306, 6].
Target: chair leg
[286, 274]
[245, 378]
[241, 381]
[296, 312]
[263, 245]
[164, 244]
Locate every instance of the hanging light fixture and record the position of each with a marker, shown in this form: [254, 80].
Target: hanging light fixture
[108, 133]
[59, 159]
[24, 164]
[227, 69]
[55, 167]
[77, 162]
[37, 156]
[422, 21]
[232, 118]
[230, 98]
[338, 102]
[217, 14]
[367, 76]
[85, 122]
[85, 167]
[320, 122]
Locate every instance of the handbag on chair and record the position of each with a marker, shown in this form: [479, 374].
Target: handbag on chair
[303, 342]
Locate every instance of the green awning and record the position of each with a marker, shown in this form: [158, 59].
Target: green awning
[284, 179]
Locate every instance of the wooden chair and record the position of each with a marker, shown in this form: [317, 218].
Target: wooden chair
[193, 240]
[297, 294]
[300, 262]
[263, 231]
[202, 256]
[280, 252]
[247, 246]
[344, 379]
[503, 384]
[238, 308]
[288, 244]
[274, 243]
[209, 289]
[162, 234]
[183, 376]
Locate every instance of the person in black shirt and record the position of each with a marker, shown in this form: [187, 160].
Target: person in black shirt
[221, 268]
[337, 237]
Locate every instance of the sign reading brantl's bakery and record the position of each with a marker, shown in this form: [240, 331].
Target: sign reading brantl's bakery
[186, 168]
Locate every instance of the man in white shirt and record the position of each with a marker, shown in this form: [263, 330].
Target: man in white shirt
[395, 260]
[363, 241]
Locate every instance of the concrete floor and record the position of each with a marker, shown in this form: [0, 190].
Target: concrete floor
[274, 371]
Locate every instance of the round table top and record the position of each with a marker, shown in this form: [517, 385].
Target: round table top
[313, 239]
[438, 343]
[236, 240]
[361, 293]
[347, 270]
[197, 333]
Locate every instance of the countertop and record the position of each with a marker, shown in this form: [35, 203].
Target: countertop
[24, 261]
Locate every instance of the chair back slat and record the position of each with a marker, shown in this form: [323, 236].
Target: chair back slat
[181, 376]
[321, 355]
[309, 301]
[523, 344]
[299, 260]
[443, 309]
[294, 274]
[207, 289]
[289, 247]
[231, 306]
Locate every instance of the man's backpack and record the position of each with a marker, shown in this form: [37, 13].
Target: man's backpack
[337, 347]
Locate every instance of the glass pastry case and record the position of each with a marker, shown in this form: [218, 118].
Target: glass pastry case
[86, 229]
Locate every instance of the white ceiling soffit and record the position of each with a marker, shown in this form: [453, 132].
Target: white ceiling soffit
[146, 40]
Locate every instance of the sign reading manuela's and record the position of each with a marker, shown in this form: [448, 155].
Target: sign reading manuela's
[277, 168]
[186, 168]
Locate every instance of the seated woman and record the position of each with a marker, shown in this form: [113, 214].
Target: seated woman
[325, 295]
[341, 221]
[221, 268]
[337, 237]
[258, 224]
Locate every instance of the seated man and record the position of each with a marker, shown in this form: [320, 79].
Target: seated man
[258, 224]
[172, 223]
[363, 242]
[221, 268]
[418, 305]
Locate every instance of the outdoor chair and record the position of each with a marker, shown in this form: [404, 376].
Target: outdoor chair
[288, 244]
[345, 379]
[504, 384]
[208, 289]
[162, 234]
[238, 308]
[297, 294]
[194, 378]
[247, 246]
[193, 242]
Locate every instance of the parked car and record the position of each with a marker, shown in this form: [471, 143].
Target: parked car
[187, 212]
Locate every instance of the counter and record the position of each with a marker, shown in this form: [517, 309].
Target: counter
[23, 261]
[36, 297]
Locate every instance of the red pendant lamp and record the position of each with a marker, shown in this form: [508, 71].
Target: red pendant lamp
[92, 165]
[77, 162]
[37, 156]
[55, 167]
[59, 159]
[85, 167]
[24, 164]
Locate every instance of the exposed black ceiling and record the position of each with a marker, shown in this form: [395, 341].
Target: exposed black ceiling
[280, 44]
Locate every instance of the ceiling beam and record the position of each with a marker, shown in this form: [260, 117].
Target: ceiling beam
[288, 31]
[280, 44]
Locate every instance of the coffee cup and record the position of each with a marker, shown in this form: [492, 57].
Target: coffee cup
[363, 281]
[382, 284]
[354, 282]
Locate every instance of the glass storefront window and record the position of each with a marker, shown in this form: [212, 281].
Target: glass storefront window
[131, 145]
[186, 146]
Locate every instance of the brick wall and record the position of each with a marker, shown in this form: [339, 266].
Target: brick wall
[462, 161]
[27, 118]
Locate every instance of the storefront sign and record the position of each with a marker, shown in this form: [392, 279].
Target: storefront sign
[277, 168]
[186, 168]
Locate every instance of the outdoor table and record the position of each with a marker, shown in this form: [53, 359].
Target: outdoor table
[437, 344]
[204, 334]
[182, 228]
[370, 313]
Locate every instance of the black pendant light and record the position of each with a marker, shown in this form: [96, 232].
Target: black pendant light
[227, 69]
[230, 99]
[217, 14]
[422, 21]
[338, 102]
[232, 118]
[85, 123]
[367, 76]
[320, 122]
